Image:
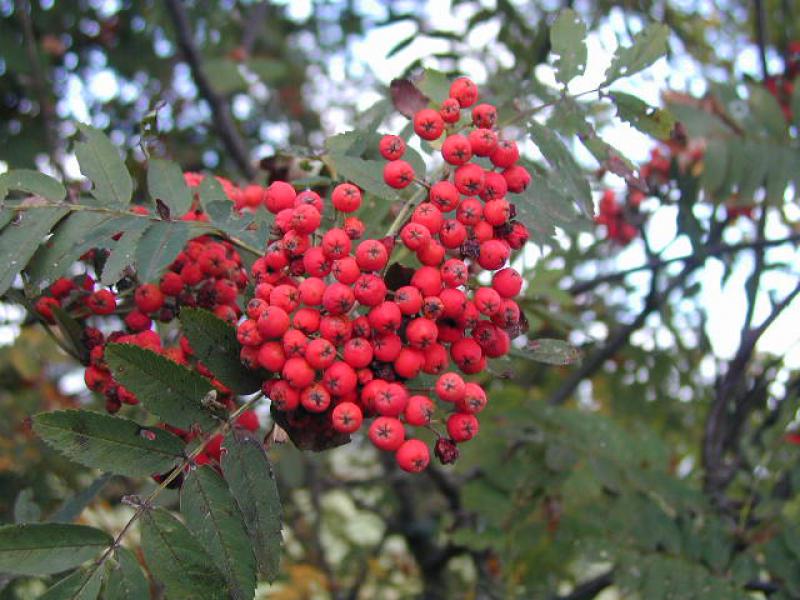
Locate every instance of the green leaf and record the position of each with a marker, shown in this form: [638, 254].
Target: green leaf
[653, 121]
[32, 182]
[72, 332]
[158, 247]
[566, 170]
[83, 584]
[20, 239]
[269, 70]
[44, 548]
[176, 559]
[568, 42]
[123, 252]
[767, 112]
[215, 520]
[72, 238]
[165, 182]
[366, 174]
[435, 85]
[715, 166]
[552, 352]
[73, 506]
[25, 508]
[648, 46]
[173, 392]
[109, 443]
[100, 161]
[214, 344]
[225, 75]
[252, 483]
[126, 580]
[796, 106]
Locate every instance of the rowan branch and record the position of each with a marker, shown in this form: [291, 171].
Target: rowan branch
[223, 122]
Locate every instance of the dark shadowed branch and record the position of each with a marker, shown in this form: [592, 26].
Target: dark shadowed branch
[223, 122]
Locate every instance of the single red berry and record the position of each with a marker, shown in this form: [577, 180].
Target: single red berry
[415, 236]
[413, 456]
[385, 318]
[450, 387]
[493, 254]
[429, 215]
[371, 255]
[271, 357]
[320, 353]
[357, 352]
[386, 348]
[517, 178]
[102, 302]
[273, 323]
[387, 433]
[456, 150]
[346, 197]
[346, 417]
[346, 270]
[284, 397]
[464, 91]
[392, 147]
[505, 154]
[419, 411]
[340, 378]
[484, 116]
[336, 243]
[44, 307]
[444, 195]
[497, 212]
[450, 110]
[298, 373]
[470, 179]
[507, 282]
[428, 124]
[248, 420]
[370, 289]
[315, 398]
[409, 362]
[462, 427]
[494, 186]
[279, 196]
[398, 174]
[482, 141]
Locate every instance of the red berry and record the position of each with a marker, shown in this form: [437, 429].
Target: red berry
[450, 110]
[517, 178]
[346, 417]
[338, 299]
[171, 284]
[271, 357]
[419, 411]
[279, 196]
[398, 174]
[336, 243]
[494, 186]
[421, 332]
[456, 150]
[248, 420]
[429, 215]
[346, 270]
[320, 353]
[415, 236]
[340, 378]
[385, 318]
[346, 197]
[392, 147]
[370, 290]
[371, 255]
[482, 141]
[409, 299]
[273, 323]
[462, 427]
[507, 282]
[44, 306]
[283, 396]
[357, 352]
[493, 254]
[298, 373]
[469, 179]
[428, 280]
[315, 398]
[413, 456]
[464, 91]
[484, 116]
[102, 302]
[390, 400]
[428, 124]
[450, 387]
[505, 154]
[497, 212]
[387, 347]
[409, 362]
[444, 195]
[387, 433]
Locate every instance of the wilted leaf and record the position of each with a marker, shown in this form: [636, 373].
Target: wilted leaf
[406, 97]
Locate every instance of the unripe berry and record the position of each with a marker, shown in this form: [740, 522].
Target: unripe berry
[387, 433]
[428, 124]
[398, 174]
[392, 147]
[346, 197]
[413, 456]
[346, 417]
[464, 91]
[462, 427]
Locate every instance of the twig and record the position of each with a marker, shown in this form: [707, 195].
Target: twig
[761, 37]
[147, 503]
[589, 589]
[616, 342]
[713, 251]
[255, 18]
[754, 280]
[23, 9]
[223, 122]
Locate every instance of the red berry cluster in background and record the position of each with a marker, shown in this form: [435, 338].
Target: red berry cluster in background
[782, 86]
[619, 218]
[345, 342]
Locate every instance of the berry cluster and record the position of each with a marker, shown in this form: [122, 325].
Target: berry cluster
[619, 219]
[347, 343]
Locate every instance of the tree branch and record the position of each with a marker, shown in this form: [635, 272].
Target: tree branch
[589, 589]
[223, 122]
[716, 250]
[761, 37]
[620, 337]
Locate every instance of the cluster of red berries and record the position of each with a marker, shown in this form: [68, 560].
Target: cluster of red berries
[619, 218]
[345, 342]
[782, 86]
